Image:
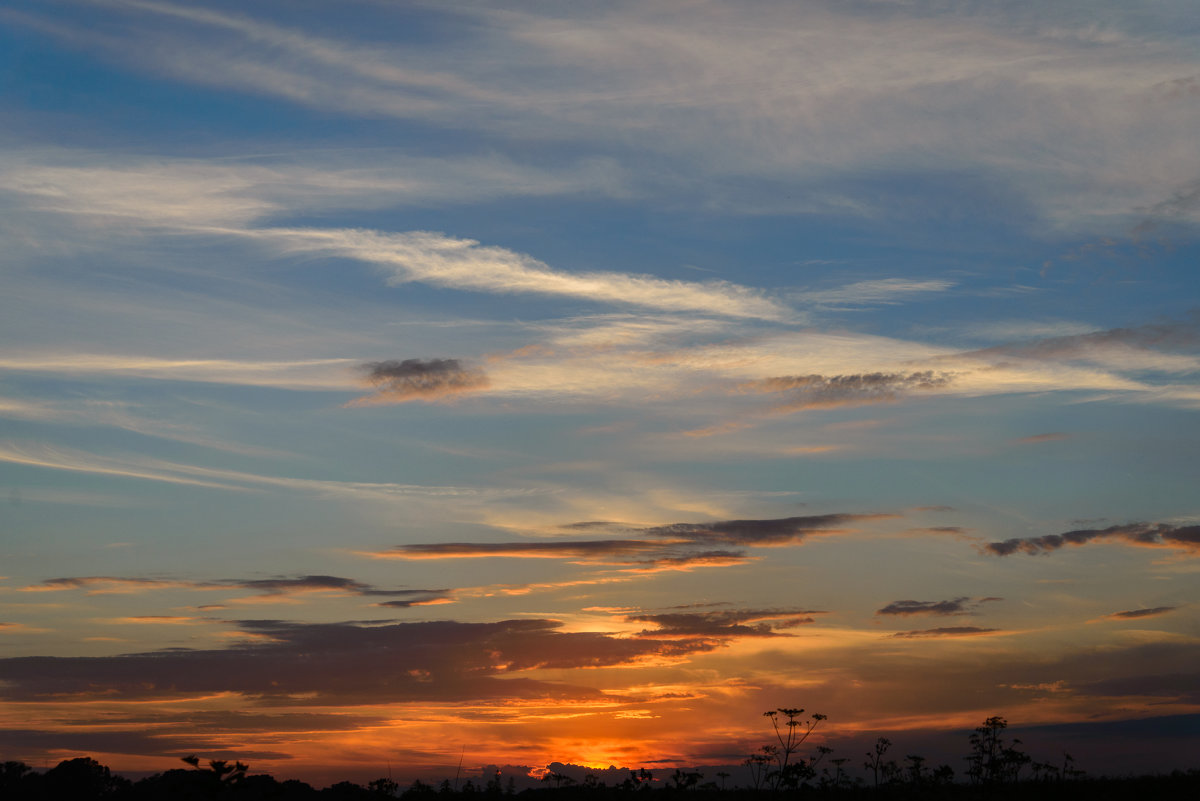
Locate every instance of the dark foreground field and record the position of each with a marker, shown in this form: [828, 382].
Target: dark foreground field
[84, 779]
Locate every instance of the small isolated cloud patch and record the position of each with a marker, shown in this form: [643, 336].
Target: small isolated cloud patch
[822, 391]
[724, 624]
[1136, 614]
[956, 606]
[1145, 535]
[417, 379]
[1051, 436]
[946, 631]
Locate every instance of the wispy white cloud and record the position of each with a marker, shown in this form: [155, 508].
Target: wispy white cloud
[126, 416]
[875, 292]
[191, 193]
[226, 200]
[442, 260]
[811, 91]
[311, 374]
[138, 467]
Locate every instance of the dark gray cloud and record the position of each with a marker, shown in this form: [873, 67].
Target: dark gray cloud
[779, 531]
[276, 586]
[946, 631]
[1136, 614]
[955, 606]
[349, 663]
[417, 379]
[821, 391]
[676, 545]
[724, 623]
[16, 742]
[1148, 535]
[575, 549]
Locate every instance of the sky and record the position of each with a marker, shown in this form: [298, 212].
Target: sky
[384, 385]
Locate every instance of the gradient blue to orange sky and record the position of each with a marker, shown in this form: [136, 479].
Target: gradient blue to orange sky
[389, 383]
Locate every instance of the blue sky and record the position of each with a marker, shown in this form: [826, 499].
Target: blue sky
[325, 326]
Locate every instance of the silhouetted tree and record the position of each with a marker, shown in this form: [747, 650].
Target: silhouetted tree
[383, 786]
[992, 761]
[759, 764]
[916, 771]
[874, 761]
[418, 790]
[685, 780]
[791, 734]
[559, 779]
[13, 778]
[219, 768]
[839, 775]
[82, 778]
[639, 779]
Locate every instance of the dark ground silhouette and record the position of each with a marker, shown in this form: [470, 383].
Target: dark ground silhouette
[995, 768]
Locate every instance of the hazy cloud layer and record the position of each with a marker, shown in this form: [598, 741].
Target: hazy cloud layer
[995, 76]
[1152, 338]
[1149, 535]
[414, 379]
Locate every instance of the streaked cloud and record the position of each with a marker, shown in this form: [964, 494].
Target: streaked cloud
[1138, 614]
[1147, 535]
[678, 546]
[955, 606]
[820, 391]
[266, 588]
[723, 623]
[313, 374]
[882, 291]
[1151, 346]
[1051, 436]
[233, 480]
[466, 264]
[945, 632]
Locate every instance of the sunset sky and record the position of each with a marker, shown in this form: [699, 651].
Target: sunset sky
[384, 384]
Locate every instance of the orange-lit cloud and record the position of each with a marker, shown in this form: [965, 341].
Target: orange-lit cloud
[723, 623]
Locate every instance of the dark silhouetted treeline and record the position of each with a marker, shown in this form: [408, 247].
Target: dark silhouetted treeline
[995, 768]
[84, 779]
